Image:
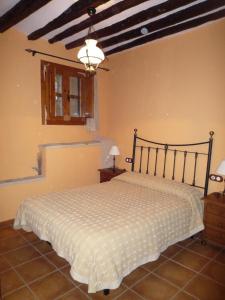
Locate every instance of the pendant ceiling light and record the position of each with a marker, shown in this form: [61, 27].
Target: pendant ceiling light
[90, 55]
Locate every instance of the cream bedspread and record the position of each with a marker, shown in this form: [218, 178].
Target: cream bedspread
[107, 230]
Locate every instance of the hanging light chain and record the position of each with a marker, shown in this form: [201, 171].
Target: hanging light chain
[90, 54]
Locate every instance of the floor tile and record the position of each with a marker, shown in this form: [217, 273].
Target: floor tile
[198, 235]
[183, 296]
[221, 257]
[34, 269]
[10, 281]
[175, 273]
[186, 242]
[129, 295]
[207, 250]
[4, 265]
[99, 295]
[215, 271]
[52, 286]
[134, 276]
[191, 260]
[205, 289]
[21, 255]
[154, 288]
[7, 232]
[21, 294]
[58, 261]
[5, 224]
[171, 251]
[66, 272]
[75, 295]
[11, 243]
[154, 264]
[43, 247]
[31, 237]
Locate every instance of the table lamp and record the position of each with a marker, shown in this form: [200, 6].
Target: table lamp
[221, 171]
[114, 151]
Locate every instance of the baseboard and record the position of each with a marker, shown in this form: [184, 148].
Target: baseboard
[7, 223]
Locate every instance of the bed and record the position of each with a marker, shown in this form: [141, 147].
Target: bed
[107, 230]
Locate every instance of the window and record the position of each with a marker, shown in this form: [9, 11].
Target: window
[67, 94]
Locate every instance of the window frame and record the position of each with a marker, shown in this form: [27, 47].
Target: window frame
[48, 93]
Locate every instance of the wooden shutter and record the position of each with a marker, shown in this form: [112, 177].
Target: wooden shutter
[48, 94]
[47, 85]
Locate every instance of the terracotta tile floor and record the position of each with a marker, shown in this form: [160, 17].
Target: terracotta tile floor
[30, 269]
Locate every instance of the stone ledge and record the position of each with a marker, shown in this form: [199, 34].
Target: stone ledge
[41, 176]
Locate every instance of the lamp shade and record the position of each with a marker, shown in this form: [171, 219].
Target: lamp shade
[114, 151]
[90, 55]
[221, 168]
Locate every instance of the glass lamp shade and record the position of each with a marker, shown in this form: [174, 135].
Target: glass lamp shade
[221, 168]
[90, 55]
[114, 151]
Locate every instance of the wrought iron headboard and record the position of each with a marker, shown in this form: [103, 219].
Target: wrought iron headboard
[157, 147]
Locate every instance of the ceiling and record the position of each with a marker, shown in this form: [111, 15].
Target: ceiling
[119, 24]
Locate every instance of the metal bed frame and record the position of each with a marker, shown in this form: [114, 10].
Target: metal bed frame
[175, 149]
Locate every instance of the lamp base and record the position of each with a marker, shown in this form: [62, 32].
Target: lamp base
[114, 166]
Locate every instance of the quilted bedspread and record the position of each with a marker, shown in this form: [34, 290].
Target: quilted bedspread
[107, 230]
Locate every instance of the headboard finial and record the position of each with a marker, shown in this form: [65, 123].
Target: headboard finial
[135, 130]
[211, 133]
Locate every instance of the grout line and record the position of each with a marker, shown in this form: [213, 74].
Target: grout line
[18, 274]
[151, 272]
[86, 294]
[123, 292]
[127, 288]
[75, 288]
[57, 269]
[11, 237]
[195, 252]
[23, 263]
[197, 273]
[18, 248]
[65, 294]
[25, 285]
[171, 259]
[139, 280]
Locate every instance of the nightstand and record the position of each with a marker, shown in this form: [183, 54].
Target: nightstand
[107, 174]
[214, 218]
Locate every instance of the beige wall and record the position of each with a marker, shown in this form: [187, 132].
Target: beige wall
[65, 168]
[21, 130]
[172, 90]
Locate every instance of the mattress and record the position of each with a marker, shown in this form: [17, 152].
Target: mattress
[107, 230]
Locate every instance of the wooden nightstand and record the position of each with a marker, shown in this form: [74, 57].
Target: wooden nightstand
[107, 174]
[214, 218]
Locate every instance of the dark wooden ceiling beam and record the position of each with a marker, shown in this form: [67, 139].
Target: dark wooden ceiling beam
[134, 20]
[101, 16]
[168, 31]
[20, 11]
[75, 11]
[173, 19]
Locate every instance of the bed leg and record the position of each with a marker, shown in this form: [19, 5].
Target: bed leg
[106, 292]
[203, 242]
